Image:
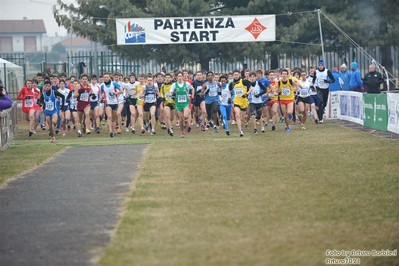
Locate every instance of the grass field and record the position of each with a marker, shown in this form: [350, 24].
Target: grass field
[272, 199]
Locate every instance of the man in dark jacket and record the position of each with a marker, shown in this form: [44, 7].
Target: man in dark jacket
[373, 80]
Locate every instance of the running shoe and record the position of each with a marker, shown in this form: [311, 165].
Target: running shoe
[266, 125]
[255, 131]
[188, 129]
[127, 129]
[321, 121]
[142, 130]
[57, 130]
[171, 133]
[88, 132]
[263, 130]
[241, 133]
[215, 129]
[316, 121]
[210, 124]
[133, 131]
[98, 130]
[233, 122]
[177, 123]
[69, 127]
[115, 134]
[203, 128]
[103, 122]
[119, 131]
[197, 125]
[79, 133]
[153, 133]
[111, 135]
[64, 134]
[30, 133]
[163, 126]
[43, 127]
[303, 127]
[273, 127]
[287, 129]
[227, 133]
[245, 125]
[182, 135]
[52, 140]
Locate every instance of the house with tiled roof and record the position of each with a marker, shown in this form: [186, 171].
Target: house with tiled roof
[81, 44]
[24, 35]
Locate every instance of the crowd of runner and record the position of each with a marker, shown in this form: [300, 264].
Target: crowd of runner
[141, 104]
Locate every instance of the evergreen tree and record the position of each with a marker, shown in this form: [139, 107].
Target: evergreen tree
[368, 22]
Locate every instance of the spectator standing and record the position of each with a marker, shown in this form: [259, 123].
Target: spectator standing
[337, 84]
[373, 80]
[5, 100]
[355, 82]
[345, 75]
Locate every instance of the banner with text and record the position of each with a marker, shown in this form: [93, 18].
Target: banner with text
[254, 28]
[375, 111]
[393, 112]
[351, 106]
[332, 108]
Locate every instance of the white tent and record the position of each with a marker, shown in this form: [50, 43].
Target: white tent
[11, 75]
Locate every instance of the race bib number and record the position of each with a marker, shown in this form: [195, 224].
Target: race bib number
[286, 92]
[73, 101]
[213, 93]
[321, 82]
[271, 95]
[303, 93]
[224, 97]
[112, 98]
[168, 97]
[50, 106]
[238, 92]
[28, 103]
[182, 99]
[149, 98]
[84, 97]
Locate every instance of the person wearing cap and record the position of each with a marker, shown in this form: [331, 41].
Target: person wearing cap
[321, 80]
[337, 85]
[373, 80]
[355, 82]
[345, 75]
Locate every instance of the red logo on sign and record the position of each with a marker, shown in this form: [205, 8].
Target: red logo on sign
[255, 28]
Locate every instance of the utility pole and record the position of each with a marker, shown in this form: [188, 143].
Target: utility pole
[321, 36]
[70, 49]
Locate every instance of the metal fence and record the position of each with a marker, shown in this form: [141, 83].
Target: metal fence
[8, 126]
[101, 62]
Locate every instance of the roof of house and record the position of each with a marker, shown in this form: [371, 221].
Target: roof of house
[76, 41]
[22, 26]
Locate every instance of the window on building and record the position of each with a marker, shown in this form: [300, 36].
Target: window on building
[6, 44]
[30, 44]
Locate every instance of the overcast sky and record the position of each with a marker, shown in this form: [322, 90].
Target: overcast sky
[32, 9]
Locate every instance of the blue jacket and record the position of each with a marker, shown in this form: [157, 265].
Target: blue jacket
[355, 81]
[345, 76]
[5, 102]
[335, 86]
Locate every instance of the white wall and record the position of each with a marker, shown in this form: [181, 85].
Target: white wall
[18, 41]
